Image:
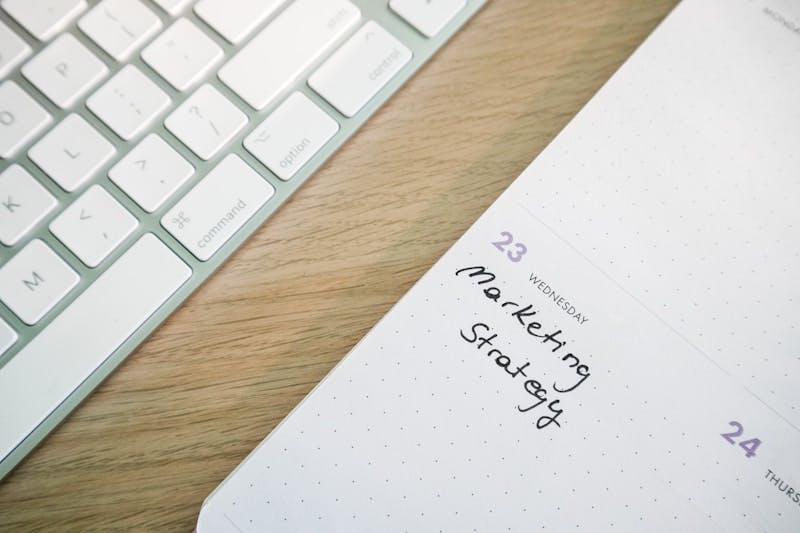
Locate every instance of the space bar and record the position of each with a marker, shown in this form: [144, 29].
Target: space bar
[80, 339]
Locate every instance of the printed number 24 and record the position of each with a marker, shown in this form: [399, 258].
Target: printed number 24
[749, 445]
[516, 253]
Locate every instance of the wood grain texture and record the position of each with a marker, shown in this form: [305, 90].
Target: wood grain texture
[144, 451]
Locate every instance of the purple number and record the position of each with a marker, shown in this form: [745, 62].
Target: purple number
[501, 245]
[730, 436]
[519, 248]
[749, 446]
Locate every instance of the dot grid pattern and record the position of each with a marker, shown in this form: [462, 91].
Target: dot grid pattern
[670, 223]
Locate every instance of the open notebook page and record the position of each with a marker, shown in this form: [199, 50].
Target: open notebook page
[613, 346]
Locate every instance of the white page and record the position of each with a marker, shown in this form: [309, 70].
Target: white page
[661, 232]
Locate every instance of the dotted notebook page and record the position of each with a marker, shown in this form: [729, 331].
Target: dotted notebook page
[609, 348]
[683, 185]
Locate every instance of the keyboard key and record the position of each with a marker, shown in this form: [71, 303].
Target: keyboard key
[23, 203]
[35, 280]
[93, 226]
[7, 337]
[217, 207]
[151, 173]
[43, 18]
[21, 118]
[426, 16]
[360, 68]
[173, 7]
[182, 55]
[46, 371]
[72, 152]
[128, 102]
[206, 122]
[286, 47]
[120, 26]
[291, 135]
[12, 49]
[235, 20]
[65, 70]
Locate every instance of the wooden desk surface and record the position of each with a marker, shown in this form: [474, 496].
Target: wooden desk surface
[148, 446]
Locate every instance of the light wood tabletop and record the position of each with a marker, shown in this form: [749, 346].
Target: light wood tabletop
[148, 446]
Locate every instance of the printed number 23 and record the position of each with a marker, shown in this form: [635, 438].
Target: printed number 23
[750, 445]
[514, 254]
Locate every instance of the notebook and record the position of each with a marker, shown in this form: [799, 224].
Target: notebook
[613, 346]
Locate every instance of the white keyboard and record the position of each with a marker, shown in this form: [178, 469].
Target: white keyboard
[142, 141]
